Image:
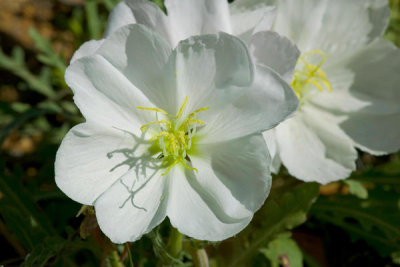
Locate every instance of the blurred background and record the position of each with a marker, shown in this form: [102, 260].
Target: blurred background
[351, 223]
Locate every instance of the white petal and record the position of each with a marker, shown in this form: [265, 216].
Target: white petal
[376, 128]
[149, 14]
[266, 103]
[104, 95]
[126, 211]
[248, 18]
[339, 99]
[141, 56]
[208, 66]
[277, 52]
[313, 148]
[87, 49]
[270, 140]
[240, 165]
[88, 161]
[197, 17]
[121, 15]
[198, 213]
[379, 15]
[331, 26]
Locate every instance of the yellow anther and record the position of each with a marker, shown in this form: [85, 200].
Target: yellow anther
[153, 109]
[175, 139]
[327, 85]
[181, 138]
[196, 121]
[170, 167]
[310, 74]
[182, 108]
[316, 84]
[188, 167]
[198, 110]
[144, 127]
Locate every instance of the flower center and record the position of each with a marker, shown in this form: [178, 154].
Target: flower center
[174, 137]
[309, 76]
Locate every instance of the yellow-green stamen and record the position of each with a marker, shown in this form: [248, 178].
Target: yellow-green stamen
[175, 138]
[310, 74]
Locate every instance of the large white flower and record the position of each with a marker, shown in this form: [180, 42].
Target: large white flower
[250, 20]
[348, 82]
[172, 133]
[195, 17]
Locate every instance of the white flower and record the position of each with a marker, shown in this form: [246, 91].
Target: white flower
[186, 18]
[348, 82]
[172, 133]
[195, 17]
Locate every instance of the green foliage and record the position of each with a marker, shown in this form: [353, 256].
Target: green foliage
[92, 16]
[47, 55]
[20, 213]
[285, 208]
[376, 219]
[16, 65]
[393, 33]
[44, 252]
[356, 188]
[283, 251]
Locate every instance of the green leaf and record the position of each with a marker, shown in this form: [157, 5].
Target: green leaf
[19, 120]
[356, 188]
[43, 252]
[375, 220]
[20, 212]
[92, 15]
[396, 257]
[160, 4]
[48, 56]
[285, 208]
[20, 107]
[18, 54]
[109, 4]
[285, 251]
[18, 68]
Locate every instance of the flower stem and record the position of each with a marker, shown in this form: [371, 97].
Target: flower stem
[127, 245]
[200, 257]
[174, 245]
[113, 259]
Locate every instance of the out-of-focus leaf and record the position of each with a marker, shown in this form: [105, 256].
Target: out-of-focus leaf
[283, 251]
[284, 209]
[48, 55]
[356, 188]
[50, 105]
[92, 15]
[376, 219]
[43, 252]
[18, 68]
[18, 54]
[22, 216]
[109, 4]
[20, 107]
[160, 4]
[69, 107]
[396, 257]
[19, 120]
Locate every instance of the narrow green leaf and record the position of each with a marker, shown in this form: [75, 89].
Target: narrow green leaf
[93, 19]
